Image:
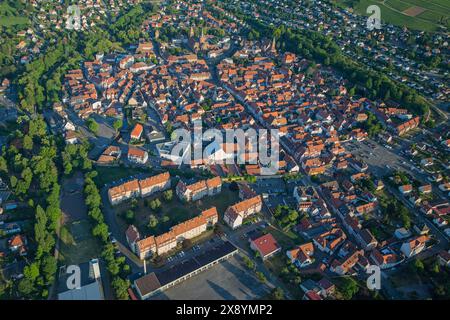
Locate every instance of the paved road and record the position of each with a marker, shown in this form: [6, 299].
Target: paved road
[235, 238]
[382, 162]
[110, 219]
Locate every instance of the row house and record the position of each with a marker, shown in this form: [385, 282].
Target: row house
[176, 235]
[136, 188]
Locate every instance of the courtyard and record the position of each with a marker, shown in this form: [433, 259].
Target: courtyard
[171, 212]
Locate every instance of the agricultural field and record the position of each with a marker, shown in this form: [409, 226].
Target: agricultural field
[423, 15]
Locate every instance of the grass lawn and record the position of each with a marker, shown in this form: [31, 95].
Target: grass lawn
[13, 21]
[175, 210]
[7, 127]
[77, 243]
[405, 277]
[392, 12]
[286, 239]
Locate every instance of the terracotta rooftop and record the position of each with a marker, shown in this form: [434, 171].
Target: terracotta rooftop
[137, 130]
[129, 186]
[266, 244]
[246, 204]
[135, 152]
[155, 180]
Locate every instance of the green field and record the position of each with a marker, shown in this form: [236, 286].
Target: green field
[78, 245]
[436, 12]
[10, 17]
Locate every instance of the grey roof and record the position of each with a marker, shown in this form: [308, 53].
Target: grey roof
[91, 291]
[153, 281]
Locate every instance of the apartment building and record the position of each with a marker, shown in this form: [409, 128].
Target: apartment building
[136, 188]
[198, 190]
[177, 234]
[124, 192]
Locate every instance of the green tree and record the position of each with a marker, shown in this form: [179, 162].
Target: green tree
[92, 125]
[120, 287]
[3, 165]
[27, 142]
[101, 231]
[43, 238]
[261, 277]
[153, 221]
[155, 204]
[277, 294]
[25, 287]
[117, 124]
[418, 265]
[129, 216]
[49, 267]
[348, 288]
[168, 195]
[31, 272]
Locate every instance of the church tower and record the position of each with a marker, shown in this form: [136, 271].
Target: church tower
[202, 37]
[273, 47]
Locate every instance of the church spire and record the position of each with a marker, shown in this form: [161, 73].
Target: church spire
[273, 47]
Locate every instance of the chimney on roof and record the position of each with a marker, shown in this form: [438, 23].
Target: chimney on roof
[145, 266]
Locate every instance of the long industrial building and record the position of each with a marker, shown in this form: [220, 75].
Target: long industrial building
[158, 281]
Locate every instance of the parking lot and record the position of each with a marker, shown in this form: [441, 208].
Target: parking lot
[378, 157]
[228, 280]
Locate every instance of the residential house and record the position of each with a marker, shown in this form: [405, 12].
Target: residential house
[302, 255]
[125, 191]
[133, 236]
[137, 155]
[385, 258]
[236, 213]
[137, 131]
[414, 246]
[265, 245]
[444, 258]
[18, 244]
[330, 240]
[405, 189]
[134, 188]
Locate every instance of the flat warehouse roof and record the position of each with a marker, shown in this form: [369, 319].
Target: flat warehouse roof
[158, 279]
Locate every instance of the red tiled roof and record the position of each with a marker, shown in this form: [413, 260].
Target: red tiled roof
[137, 131]
[266, 244]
